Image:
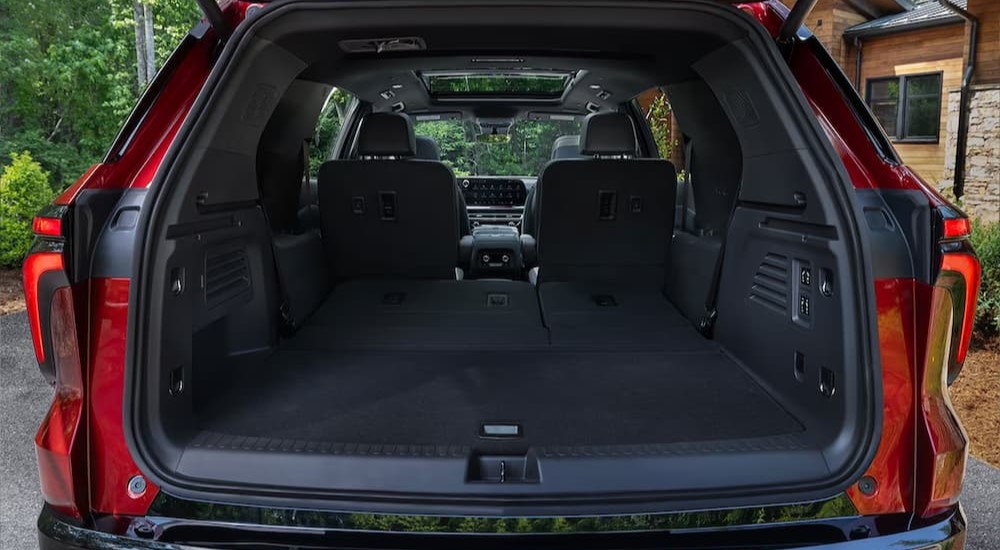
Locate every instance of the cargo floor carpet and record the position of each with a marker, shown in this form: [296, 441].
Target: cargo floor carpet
[443, 398]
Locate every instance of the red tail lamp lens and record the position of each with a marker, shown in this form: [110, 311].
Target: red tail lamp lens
[59, 442]
[957, 227]
[47, 227]
[964, 286]
[943, 444]
[36, 265]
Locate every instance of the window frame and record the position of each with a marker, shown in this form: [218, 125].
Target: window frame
[899, 131]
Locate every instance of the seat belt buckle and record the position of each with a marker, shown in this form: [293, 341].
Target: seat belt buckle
[285, 313]
[708, 322]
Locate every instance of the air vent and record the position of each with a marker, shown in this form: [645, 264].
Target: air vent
[770, 284]
[227, 275]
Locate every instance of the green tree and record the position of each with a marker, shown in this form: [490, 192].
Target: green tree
[986, 242]
[526, 151]
[659, 119]
[24, 190]
[68, 78]
[331, 119]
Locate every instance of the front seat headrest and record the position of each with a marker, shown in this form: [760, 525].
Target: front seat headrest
[608, 134]
[566, 147]
[386, 135]
[427, 148]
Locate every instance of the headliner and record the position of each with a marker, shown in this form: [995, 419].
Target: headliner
[603, 83]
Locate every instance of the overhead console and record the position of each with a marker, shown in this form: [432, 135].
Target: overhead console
[494, 200]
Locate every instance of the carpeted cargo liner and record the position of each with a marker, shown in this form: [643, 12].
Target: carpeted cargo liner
[442, 397]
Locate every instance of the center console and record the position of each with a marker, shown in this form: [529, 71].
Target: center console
[494, 200]
[496, 253]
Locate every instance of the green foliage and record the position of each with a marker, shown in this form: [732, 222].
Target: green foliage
[489, 84]
[527, 151]
[658, 117]
[24, 190]
[68, 76]
[455, 145]
[986, 241]
[331, 119]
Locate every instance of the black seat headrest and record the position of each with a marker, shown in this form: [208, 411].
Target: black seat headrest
[608, 134]
[386, 135]
[566, 147]
[427, 148]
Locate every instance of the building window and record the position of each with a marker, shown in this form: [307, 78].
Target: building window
[908, 107]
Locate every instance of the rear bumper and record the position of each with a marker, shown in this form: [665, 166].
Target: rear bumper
[55, 533]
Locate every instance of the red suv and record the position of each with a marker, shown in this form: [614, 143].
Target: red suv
[394, 274]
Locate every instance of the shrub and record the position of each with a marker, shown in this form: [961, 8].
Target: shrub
[24, 190]
[986, 240]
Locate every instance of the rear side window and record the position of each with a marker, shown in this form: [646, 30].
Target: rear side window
[329, 127]
[659, 117]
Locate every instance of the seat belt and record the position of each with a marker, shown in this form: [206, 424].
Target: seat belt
[287, 325]
[707, 324]
[305, 170]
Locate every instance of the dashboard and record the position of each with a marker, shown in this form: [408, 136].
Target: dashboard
[480, 191]
[495, 200]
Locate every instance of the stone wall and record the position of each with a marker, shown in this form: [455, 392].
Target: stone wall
[982, 160]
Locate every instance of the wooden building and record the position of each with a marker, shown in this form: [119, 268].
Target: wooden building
[908, 59]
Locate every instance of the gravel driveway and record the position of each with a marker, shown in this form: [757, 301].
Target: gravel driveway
[24, 397]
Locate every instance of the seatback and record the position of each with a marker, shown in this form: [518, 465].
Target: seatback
[609, 216]
[387, 214]
[427, 149]
[564, 147]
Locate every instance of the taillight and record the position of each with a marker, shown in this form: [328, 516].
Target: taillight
[59, 442]
[40, 265]
[959, 275]
[942, 443]
[45, 226]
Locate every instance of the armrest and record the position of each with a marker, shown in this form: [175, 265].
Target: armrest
[529, 251]
[465, 247]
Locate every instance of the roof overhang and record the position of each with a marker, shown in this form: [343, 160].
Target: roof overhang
[885, 31]
[880, 8]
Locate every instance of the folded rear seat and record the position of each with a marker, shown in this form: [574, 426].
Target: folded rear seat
[608, 315]
[604, 228]
[414, 315]
[391, 234]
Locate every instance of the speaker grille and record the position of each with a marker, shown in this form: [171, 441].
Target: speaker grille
[227, 275]
[770, 283]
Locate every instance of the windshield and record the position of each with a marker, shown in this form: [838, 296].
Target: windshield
[529, 147]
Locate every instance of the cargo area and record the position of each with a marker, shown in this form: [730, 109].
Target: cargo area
[386, 328]
[366, 373]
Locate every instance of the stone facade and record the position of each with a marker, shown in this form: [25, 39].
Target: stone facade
[982, 160]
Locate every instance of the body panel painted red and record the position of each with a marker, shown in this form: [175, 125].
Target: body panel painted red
[899, 346]
[111, 464]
